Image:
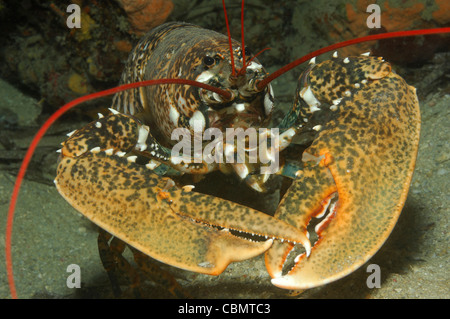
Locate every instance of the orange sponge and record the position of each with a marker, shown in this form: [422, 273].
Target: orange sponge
[146, 14]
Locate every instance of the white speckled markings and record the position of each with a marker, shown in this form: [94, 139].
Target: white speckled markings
[237, 146]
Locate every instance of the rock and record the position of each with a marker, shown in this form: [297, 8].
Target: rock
[21, 110]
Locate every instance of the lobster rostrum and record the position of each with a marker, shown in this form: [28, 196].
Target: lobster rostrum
[119, 171]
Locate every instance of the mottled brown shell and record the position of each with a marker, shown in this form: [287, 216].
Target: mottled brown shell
[178, 50]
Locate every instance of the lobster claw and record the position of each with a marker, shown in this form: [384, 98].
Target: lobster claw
[126, 198]
[312, 195]
[356, 174]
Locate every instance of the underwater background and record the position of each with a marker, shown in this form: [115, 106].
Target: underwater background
[44, 64]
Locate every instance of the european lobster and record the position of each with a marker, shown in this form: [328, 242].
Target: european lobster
[355, 173]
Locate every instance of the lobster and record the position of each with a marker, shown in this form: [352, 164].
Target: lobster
[120, 172]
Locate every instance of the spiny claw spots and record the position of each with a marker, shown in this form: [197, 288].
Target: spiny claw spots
[117, 132]
[334, 79]
[188, 188]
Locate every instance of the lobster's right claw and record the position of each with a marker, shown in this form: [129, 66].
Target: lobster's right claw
[183, 229]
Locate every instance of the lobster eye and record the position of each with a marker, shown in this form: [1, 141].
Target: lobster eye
[247, 51]
[208, 61]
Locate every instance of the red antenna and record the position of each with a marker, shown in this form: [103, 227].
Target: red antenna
[242, 38]
[398, 34]
[233, 71]
[244, 63]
